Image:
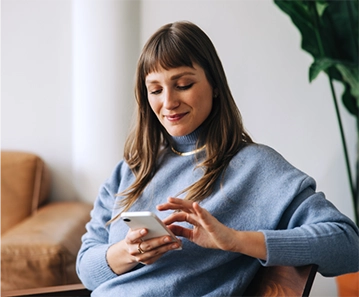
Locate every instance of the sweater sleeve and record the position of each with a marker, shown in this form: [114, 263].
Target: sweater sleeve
[316, 233]
[91, 266]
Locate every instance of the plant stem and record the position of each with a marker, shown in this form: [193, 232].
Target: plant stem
[346, 155]
[350, 8]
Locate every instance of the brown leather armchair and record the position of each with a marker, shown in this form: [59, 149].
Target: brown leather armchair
[39, 239]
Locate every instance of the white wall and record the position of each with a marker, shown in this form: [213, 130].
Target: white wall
[36, 79]
[44, 85]
[67, 95]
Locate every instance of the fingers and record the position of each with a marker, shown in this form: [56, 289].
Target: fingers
[175, 217]
[177, 204]
[147, 252]
[140, 250]
[189, 211]
[202, 213]
[135, 236]
[152, 244]
[134, 240]
[180, 231]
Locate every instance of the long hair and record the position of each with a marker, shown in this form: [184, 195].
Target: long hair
[174, 45]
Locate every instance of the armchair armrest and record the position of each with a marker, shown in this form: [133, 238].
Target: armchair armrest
[66, 290]
[41, 251]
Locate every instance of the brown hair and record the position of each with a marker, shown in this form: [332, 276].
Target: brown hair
[174, 45]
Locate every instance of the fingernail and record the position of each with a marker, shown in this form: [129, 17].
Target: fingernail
[167, 239]
[143, 231]
[175, 246]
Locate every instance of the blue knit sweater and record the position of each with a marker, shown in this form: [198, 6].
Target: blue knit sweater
[260, 191]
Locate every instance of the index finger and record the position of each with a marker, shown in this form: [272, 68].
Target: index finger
[177, 204]
[175, 217]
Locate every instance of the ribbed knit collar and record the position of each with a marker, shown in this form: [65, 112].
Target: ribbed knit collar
[187, 142]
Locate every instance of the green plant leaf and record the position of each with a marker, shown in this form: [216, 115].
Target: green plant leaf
[338, 31]
[321, 6]
[300, 16]
[351, 77]
[338, 27]
[349, 101]
[319, 65]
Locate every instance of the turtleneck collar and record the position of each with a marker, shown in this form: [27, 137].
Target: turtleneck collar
[187, 142]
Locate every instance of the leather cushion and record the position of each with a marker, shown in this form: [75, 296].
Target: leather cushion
[41, 251]
[25, 185]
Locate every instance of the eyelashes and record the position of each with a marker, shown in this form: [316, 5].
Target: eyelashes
[186, 87]
[155, 92]
[180, 88]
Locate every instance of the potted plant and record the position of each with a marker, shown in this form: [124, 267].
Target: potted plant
[329, 31]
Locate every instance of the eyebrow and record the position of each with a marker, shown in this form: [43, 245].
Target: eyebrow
[174, 77]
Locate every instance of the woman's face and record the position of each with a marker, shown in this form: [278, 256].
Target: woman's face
[180, 97]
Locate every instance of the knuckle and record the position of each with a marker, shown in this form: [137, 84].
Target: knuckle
[132, 254]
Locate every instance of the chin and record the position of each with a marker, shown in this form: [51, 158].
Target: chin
[178, 132]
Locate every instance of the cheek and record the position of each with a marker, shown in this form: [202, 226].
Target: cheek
[155, 106]
[206, 106]
[209, 109]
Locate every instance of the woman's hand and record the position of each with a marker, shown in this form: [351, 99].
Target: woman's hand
[208, 232]
[127, 253]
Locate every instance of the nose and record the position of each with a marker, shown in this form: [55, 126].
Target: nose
[170, 101]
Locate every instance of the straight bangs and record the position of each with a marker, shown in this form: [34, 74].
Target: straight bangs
[165, 52]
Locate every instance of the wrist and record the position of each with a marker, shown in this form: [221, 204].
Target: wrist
[118, 259]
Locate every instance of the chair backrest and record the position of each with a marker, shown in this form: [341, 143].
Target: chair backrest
[25, 185]
[282, 281]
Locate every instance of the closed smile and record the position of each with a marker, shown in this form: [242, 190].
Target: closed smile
[175, 117]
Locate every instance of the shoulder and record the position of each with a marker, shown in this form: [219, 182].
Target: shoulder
[120, 173]
[255, 153]
[266, 164]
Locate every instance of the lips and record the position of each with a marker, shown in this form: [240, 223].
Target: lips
[175, 117]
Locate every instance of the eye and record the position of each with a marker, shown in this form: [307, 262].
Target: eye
[186, 87]
[156, 92]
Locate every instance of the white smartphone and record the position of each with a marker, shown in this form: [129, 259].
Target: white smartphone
[149, 221]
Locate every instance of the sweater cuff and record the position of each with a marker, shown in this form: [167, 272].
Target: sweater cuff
[285, 250]
[97, 270]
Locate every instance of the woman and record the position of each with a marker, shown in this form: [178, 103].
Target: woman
[189, 142]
